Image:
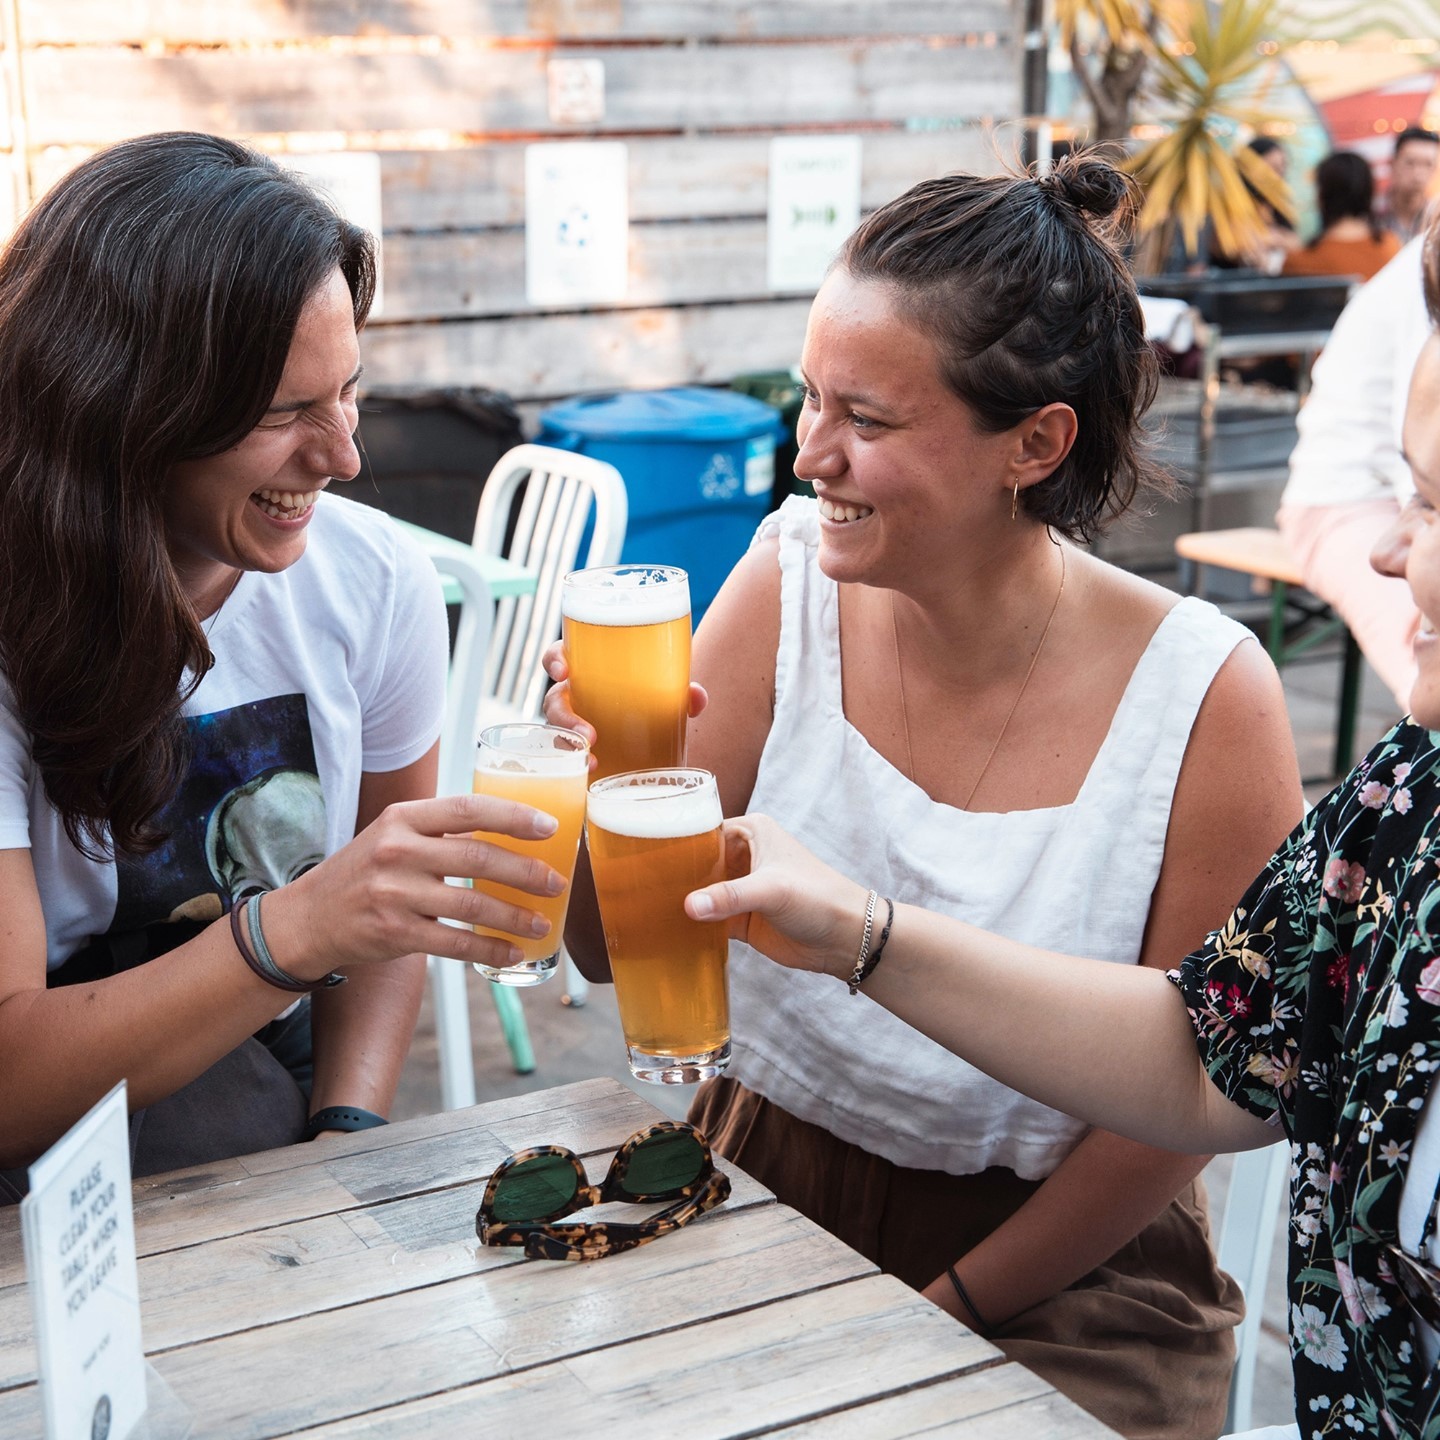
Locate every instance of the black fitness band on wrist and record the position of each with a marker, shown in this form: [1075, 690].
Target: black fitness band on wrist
[341, 1117]
[966, 1301]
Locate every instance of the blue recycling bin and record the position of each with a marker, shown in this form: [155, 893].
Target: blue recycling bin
[699, 468]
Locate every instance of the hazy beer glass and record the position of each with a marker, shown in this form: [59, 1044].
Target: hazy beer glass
[627, 643]
[654, 836]
[547, 768]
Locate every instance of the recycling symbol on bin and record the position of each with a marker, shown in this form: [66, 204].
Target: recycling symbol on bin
[719, 480]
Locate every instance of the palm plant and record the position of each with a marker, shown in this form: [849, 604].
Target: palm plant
[1212, 82]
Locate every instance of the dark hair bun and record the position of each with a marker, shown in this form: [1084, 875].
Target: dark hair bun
[1094, 186]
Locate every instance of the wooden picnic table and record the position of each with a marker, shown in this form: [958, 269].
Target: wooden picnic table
[337, 1288]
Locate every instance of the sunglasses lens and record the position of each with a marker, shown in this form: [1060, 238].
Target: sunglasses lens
[535, 1189]
[663, 1163]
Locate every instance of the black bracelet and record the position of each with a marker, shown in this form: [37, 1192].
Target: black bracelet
[341, 1117]
[982, 1324]
[873, 959]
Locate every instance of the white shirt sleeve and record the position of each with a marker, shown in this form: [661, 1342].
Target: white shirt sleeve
[1349, 428]
[16, 771]
[406, 706]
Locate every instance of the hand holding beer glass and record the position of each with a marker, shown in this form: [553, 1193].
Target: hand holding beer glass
[627, 648]
[654, 836]
[546, 768]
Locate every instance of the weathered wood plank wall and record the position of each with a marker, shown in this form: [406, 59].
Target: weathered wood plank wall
[451, 91]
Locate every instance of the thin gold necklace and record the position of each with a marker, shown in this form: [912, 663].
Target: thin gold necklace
[1014, 704]
[208, 623]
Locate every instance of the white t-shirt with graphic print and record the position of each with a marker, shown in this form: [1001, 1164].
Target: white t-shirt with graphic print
[330, 669]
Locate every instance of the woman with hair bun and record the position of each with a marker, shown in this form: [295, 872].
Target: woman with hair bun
[924, 675]
[220, 685]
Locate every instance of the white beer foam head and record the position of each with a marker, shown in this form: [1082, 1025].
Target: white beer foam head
[523, 749]
[653, 810]
[546, 766]
[626, 595]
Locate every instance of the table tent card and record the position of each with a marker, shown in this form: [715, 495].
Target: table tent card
[79, 1235]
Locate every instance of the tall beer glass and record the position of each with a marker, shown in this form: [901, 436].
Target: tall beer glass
[548, 768]
[654, 836]
[627, 643]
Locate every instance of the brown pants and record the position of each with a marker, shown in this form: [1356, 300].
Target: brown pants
[1144, 1342]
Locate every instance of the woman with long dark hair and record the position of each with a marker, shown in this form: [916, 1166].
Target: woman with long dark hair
[220, 685]
[925, 677]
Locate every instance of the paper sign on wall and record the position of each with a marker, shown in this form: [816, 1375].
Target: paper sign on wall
[350, 178]
[575, 90]
[79, 1234]
[577, 223]
[814, 205]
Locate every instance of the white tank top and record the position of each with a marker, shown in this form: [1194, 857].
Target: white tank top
[1077, 878]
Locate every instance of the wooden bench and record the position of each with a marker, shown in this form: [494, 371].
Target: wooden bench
[1299, 621]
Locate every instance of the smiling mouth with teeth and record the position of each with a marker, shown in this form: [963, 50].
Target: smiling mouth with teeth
[843, 514]
[284, 504]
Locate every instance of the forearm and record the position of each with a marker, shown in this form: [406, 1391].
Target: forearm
[1110, 1044]
[361, 1034]
[157, 1027]
[1103, 1194]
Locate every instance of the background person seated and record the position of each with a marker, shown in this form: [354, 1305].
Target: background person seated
[1412, 171]
[1278, 237]
[1352, 240]
[1348, 480]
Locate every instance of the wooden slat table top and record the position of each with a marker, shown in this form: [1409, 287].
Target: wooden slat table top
[338, 1289]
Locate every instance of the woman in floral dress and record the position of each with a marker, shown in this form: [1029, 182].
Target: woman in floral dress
[1316, 1011]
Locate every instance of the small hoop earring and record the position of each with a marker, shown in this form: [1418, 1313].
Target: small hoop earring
[1015, 500]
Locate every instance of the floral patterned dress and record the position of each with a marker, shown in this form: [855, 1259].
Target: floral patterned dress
[1318, 1006]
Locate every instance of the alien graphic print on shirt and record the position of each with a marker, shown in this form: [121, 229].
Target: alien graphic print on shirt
[249, 817]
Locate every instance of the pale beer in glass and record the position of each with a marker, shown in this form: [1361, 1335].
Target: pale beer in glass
[627, 645]
[654, 836]
[546, 768]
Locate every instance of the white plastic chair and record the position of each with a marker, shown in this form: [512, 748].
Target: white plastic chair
[457, 738]
[1258, 1188]
[557, 493]
[534, 509]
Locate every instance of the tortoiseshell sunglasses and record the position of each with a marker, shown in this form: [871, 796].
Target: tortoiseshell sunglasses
[668, 1161]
